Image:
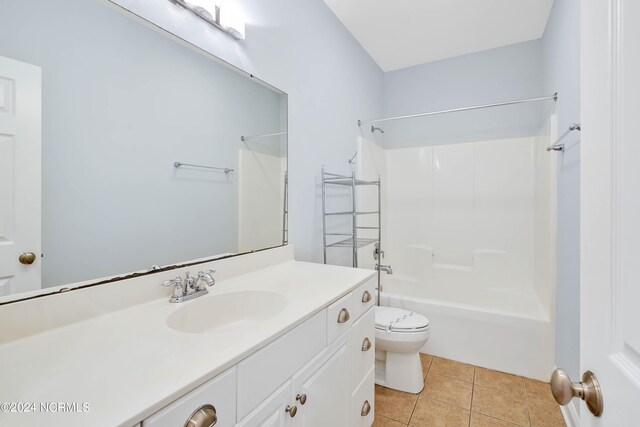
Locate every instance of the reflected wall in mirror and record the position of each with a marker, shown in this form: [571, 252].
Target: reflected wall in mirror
[95, 111]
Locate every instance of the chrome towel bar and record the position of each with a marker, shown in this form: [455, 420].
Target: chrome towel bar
[180, 164]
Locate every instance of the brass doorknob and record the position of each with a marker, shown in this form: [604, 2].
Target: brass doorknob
[366, 296]
[302, 398]
[204, 416]
[366, 408]
[563, 390]
[292, 410]
[27, 258]
[343, 316]
[366, 344]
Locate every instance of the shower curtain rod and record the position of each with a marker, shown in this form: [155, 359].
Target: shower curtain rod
[455, 110]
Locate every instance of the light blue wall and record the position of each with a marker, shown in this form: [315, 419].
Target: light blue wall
[303, 49]
[561, 54]
[501, 74]
[504, 73]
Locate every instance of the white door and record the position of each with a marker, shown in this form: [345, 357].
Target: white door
[20, 133]
[610, 211]
[326, 392]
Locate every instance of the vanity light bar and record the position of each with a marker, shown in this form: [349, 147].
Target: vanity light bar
[211, 13]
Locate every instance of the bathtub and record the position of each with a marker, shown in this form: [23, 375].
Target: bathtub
[496, 328]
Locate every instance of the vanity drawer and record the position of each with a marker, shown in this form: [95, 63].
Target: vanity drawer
[362, 401]
[364, 297]
[362, 347]
[219, 392]
[339, 317]
[263, 372]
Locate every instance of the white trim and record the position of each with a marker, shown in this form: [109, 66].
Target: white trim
[570, 415]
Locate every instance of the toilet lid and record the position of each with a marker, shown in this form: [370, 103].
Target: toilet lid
[397, 319]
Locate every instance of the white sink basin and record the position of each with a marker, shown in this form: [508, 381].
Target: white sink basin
[234, 310]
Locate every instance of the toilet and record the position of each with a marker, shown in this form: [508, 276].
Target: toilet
[400, 334]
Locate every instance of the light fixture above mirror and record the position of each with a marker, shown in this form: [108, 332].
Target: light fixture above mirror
[224, 18]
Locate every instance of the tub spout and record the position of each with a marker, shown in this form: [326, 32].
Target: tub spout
[386, 268]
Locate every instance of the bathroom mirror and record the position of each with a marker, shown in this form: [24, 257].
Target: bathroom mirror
[118, 158]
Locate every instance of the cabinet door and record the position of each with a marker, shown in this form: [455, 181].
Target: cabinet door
[271, 412]
[326, 386]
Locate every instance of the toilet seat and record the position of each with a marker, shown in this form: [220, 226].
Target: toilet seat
[391, 319]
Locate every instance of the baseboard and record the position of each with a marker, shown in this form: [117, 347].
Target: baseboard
[570, 414]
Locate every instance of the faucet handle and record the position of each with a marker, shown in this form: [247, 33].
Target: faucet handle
[177, 288]
[207, 276]
[172, 282]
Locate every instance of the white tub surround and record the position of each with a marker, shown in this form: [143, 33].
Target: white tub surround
[469, 229]
[111, 347]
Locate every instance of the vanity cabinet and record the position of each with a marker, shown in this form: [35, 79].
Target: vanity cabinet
[321, 373]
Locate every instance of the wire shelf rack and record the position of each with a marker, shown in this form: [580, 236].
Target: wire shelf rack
[348, 243]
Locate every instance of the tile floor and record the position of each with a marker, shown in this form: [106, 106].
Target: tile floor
[457, 394]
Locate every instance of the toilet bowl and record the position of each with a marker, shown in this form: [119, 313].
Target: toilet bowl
[400, 334]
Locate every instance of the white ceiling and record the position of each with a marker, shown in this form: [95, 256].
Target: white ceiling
[402, 33]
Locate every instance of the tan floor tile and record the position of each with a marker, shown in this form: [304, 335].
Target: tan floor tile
[503, 406]
[380, 421]
[545, 414]
[479, 420]
[452, 369]
[538, 390]
[426, 360]
[431, 413]
[394, 404]
[448, 390]
[500, 381]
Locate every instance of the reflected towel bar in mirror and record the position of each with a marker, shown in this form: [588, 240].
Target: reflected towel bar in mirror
[180, 164]
[264, 135]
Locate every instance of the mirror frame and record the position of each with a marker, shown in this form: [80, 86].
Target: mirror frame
[56, 290]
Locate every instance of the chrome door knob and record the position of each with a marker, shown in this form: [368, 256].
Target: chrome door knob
[204, 416]
[563, 390]
[344, 316]
[302, 398]
[292, 410]
[27, 258]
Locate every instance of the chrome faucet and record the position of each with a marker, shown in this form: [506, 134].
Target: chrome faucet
[386, 268]
[190, 287]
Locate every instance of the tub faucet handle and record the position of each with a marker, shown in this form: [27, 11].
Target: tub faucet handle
[377, 253]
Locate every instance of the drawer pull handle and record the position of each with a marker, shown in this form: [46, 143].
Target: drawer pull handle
[366, 344]
[366, 408]
[302, 398]
[366, 297]
[344, 316]
[204, 416]
[292, 410]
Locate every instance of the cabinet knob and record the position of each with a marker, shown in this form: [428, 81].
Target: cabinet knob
[292, 410]
[366, 408]
[366, 296]
[302, 398]
[366, 344]
[204, 416]
[344, 316]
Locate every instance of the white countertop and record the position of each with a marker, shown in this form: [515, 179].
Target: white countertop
[128, 364]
